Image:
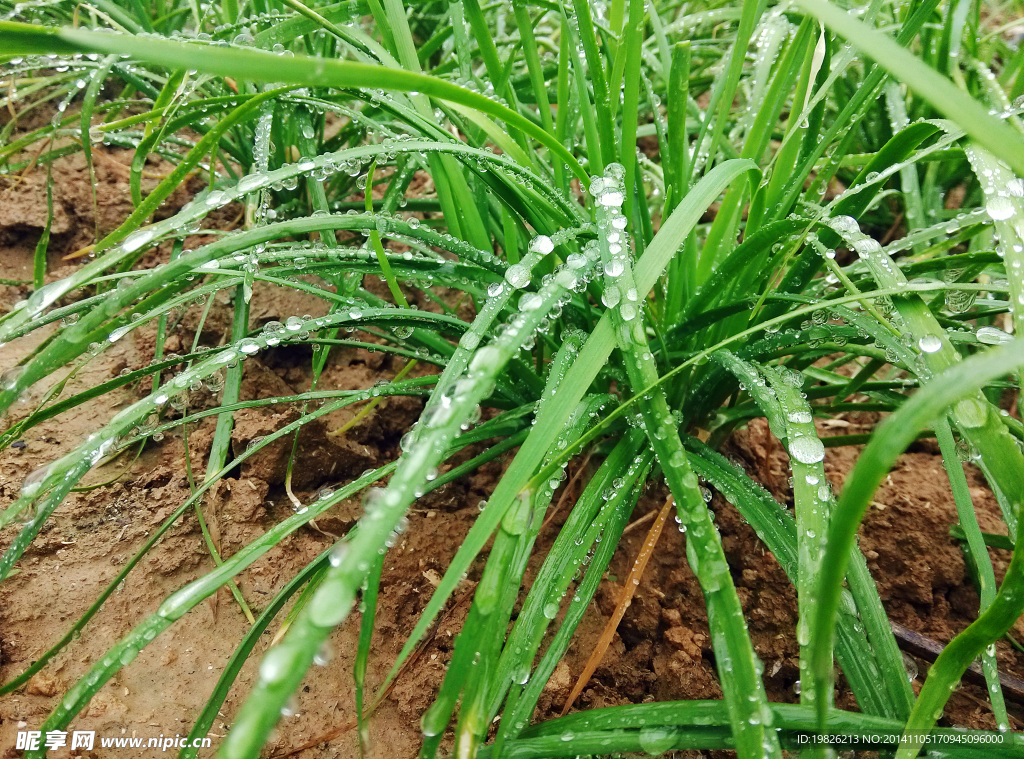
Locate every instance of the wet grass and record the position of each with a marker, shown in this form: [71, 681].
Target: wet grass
[616, 317]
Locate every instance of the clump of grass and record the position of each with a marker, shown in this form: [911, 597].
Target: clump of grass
[613, 319]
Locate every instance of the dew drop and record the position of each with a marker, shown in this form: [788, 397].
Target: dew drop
[518, 276]
[657, 740]
[31, 484]
[542, 244]
[291, 707]
[799, 417]
[135, 241]
[338, 553]
[275, 665]
[971, 412]
[993, 336]
[614, 268]
[216, 198]
[999, 207]
[324, 655]
[251, 182]
[807, 449]
[910, 665]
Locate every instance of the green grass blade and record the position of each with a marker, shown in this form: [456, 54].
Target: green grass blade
[975, 554]
[968, 114]
[889, 441]
[266, 66]
[738, 666]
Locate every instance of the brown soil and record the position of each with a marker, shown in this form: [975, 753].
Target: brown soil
[662, 649]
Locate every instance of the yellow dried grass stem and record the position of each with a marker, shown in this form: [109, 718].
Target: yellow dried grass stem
[632, 582]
